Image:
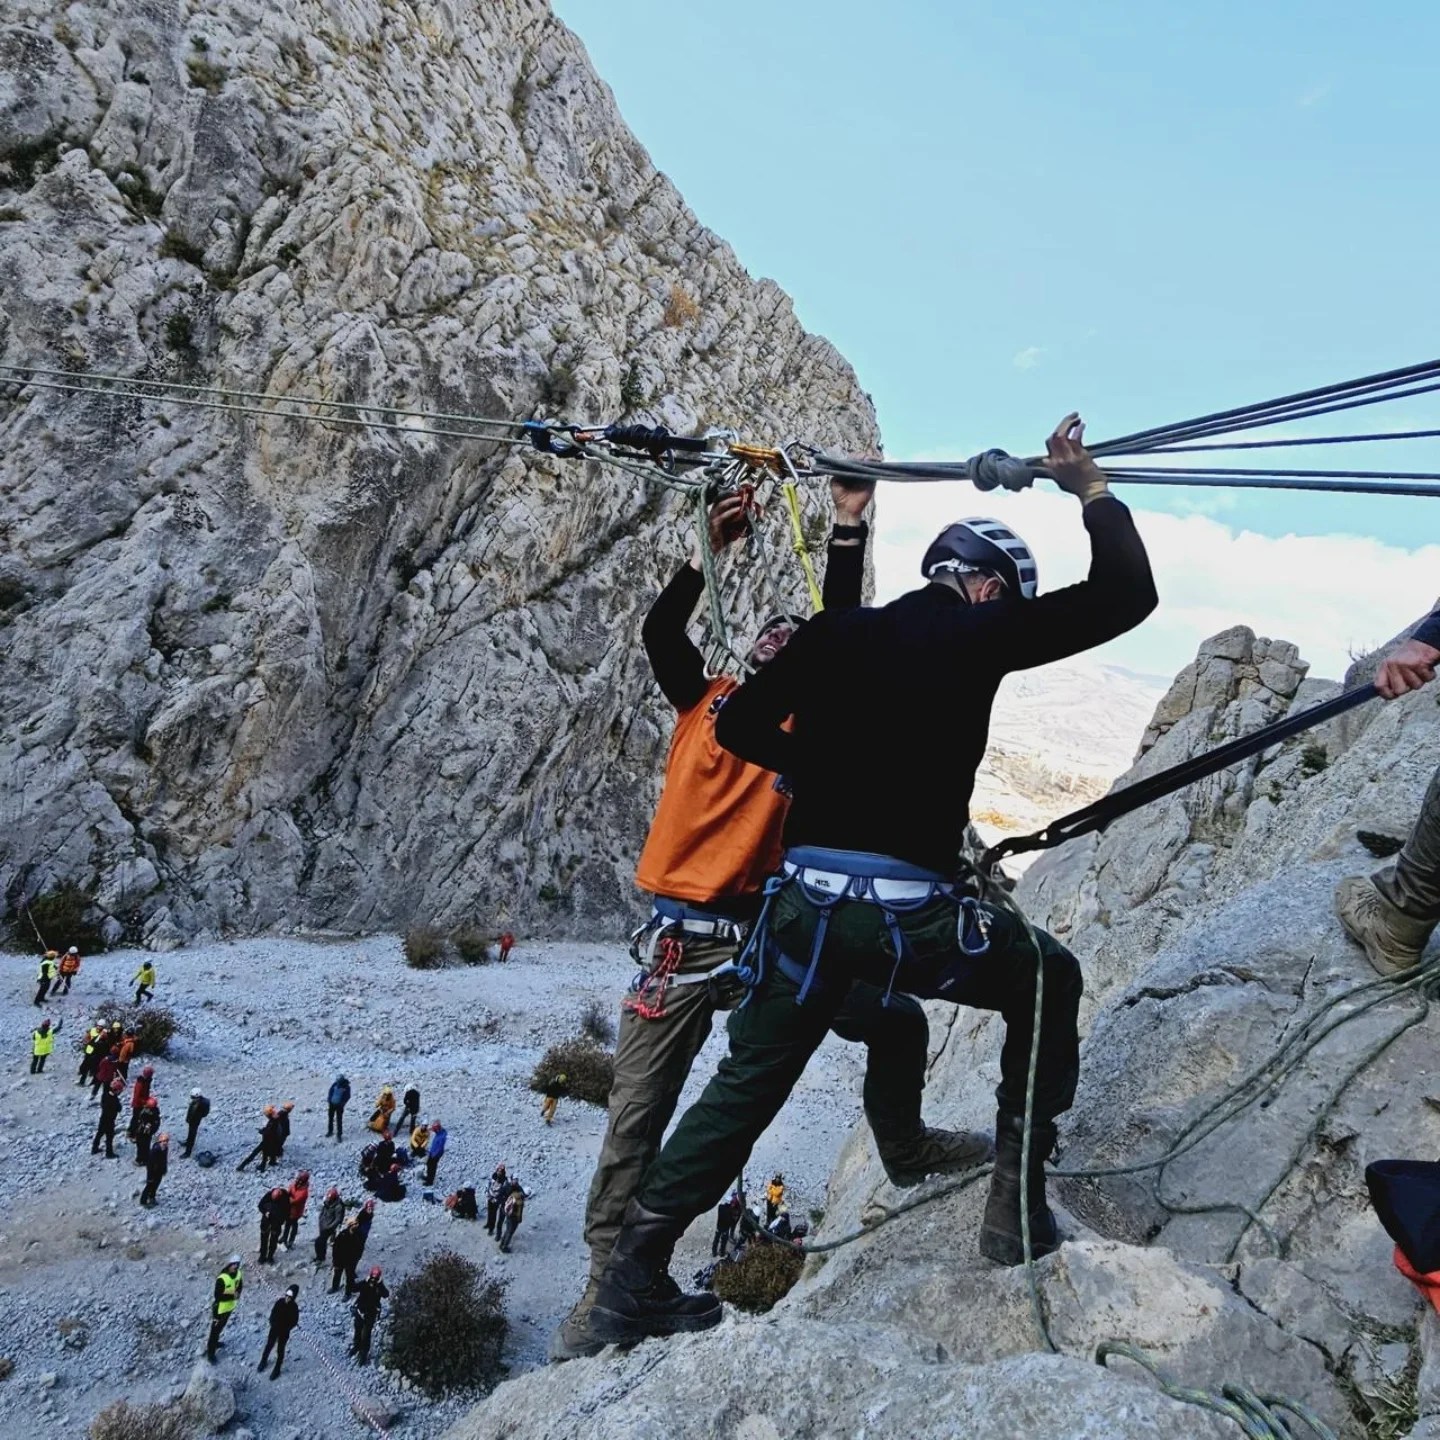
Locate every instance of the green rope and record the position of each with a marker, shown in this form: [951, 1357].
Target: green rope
[1258, 1415]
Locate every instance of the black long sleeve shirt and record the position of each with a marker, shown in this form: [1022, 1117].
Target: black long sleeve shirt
[674, 657]
[1429, 631]
[891, 705]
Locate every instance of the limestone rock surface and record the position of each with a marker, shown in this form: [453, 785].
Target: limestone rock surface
[258, 672]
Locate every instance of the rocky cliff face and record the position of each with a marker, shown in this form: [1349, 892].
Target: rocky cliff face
[264, 672]
[1204, 926]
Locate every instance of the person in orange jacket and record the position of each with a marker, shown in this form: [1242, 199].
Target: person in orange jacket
[69, 969]
[127, 1048]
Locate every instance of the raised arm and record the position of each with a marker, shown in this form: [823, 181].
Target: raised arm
[845, 555]
[1119, 591]
[676, 660]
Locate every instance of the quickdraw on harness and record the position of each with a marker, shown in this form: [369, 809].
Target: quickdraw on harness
[648, 1001]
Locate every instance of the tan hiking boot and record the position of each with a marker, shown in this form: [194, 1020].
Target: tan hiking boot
[1393, 941]
[572, 1339]
[934, 1152]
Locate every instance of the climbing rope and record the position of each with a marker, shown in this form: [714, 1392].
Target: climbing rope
[1100, 814]
[1256, 1414]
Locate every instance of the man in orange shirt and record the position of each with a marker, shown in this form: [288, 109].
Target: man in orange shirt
[715, 839]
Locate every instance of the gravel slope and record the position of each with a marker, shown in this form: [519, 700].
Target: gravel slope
[271, 1020]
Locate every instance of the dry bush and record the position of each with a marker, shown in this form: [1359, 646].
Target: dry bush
[589, 1070]
[761, 1277]
[448, 1326]
[596, 1024]
[680, 309]
[153, 1024]
[124, 1421]
[424, 947]
[471, 944]
[65, 915]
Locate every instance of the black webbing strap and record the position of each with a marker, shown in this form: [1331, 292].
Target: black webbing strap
[1155, 787]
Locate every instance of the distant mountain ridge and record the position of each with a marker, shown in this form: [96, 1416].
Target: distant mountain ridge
[1059, 736]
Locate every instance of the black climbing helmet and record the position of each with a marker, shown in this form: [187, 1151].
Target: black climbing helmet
[783, 618]
[984, 544]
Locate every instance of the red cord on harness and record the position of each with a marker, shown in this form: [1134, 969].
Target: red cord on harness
[649, 1001]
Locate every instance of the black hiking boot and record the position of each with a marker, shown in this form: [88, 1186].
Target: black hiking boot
[933, 1152]
[636, 1297]
[1000, 1237]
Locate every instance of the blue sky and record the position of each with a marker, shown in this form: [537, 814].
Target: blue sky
[1005, 210]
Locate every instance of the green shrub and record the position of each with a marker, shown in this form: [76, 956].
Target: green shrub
[448, 1326]
[124, 1421]
[596, 1024]
[761, 1277]
[154, 1025]
[424, 947]
[12, 592]
[206, 75]
[589, 1070]
[1314, 757]
[176, 247]
[64, 916]
[471, 944]
[179, 330]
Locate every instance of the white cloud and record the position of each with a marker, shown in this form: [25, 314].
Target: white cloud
[1330, 594]
[1313, 96]
[1028, 358]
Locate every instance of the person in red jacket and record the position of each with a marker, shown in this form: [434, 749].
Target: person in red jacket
[139, 1094]
[299, 1194]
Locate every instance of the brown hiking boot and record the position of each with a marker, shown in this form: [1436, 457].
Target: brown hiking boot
[1393, 941]
[934, 1152]
[572, 1339]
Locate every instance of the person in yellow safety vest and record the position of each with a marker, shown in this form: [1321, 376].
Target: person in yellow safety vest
[228, 1285]
[91, 1056]
[144, 982]
[774, 1196]
[46, 976]
[69, 969]
[42, 1042]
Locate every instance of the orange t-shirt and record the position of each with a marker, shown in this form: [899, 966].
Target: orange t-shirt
[716, 831]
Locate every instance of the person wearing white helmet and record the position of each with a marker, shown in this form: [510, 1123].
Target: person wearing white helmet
[877, 719]
[195, 1112]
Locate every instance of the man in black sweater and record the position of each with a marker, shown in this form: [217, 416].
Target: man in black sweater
[878, 719]
[1393, 913]
[284, 1317]
[715, 839]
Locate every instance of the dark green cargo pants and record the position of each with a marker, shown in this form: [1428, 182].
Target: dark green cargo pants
[653, 1060]
[772, 1037]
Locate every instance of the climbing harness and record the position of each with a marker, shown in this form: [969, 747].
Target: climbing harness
[658, 947]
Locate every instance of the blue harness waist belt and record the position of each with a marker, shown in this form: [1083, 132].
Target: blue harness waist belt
[830, 877]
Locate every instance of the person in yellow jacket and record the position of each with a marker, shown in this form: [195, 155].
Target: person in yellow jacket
[774, 1196]
[228, 1285]
[379, 1120]
[42, 1042]
[557, 1087]
[419, 1141]
[46, 976]
[144, 982]
[69, 969]
[92, 1053]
